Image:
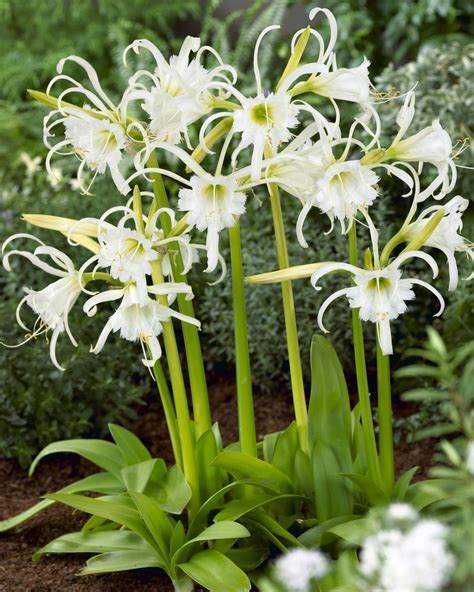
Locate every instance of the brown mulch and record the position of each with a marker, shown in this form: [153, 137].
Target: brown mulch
[58, 573]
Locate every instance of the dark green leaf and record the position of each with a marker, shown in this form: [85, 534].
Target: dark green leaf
[132, 449]
[104, 454]
[216, 572]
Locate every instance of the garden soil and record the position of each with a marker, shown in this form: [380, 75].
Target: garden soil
[59, 573]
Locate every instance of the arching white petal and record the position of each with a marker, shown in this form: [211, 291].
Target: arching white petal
[416, 254]
[327, 302]
[90, 306]
[258, 79]
[431, 289]
[329, 268]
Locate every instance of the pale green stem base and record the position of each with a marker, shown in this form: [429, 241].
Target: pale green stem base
[296, 372]
[385, 421]
[247, 435]
[361, 371]
[170, 413]
[196, 372]
[180, 400]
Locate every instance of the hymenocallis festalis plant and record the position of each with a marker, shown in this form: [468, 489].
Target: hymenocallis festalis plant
[218, 514]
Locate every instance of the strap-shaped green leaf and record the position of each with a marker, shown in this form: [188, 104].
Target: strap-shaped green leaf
[95, 542]
[120, 561]
[245, 466]
[157, 522]
[401, 486]
[333, 494]
[100, 483]
[355, 531]
[216, 572]
[330, 433]
[313, 537]
[131, 447]
[137, 476]
[201, 517]
[225, 529]
[210, 475]
[118, 512]
[329, 414]
[237, 508]
[369, 489]
[104, 454]
[174, 494]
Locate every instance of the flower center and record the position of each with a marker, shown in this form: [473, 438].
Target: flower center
[262, 114]
[379, 283]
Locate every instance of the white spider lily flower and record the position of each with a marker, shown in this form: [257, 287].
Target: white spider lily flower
[127, 253]
[96, 133]
[338, 84]
[344, 188]
[339, 188]
[212, 204]
[298, 569]
[446, 236]
[138, 317]
[53, 303]
[180, 92]
[98, 143]
[264, 119]
[431, 145]
[379, 294]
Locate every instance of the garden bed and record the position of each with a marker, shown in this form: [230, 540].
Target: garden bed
[18, 572]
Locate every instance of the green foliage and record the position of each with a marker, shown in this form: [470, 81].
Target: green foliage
[448, 377]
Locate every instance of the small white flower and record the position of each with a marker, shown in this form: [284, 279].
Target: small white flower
[432, 145]
[95, 133]
[128, 253]
[33, 165]
[446, 235]
[264, 120]
[53, 303]
[417, 560]
[138, 317]
[379, 294]
[180, 92]
[401, 513]
[470, 457]
[298, 568]
[344, 84]
[212, 204]
[344, 188]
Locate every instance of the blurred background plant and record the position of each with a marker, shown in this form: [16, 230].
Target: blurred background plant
[424, 42]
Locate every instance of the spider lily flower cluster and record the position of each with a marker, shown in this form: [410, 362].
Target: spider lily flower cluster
[128, 256]
[188, 109]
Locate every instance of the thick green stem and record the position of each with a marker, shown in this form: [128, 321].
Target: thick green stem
[296, 372]
[361, 371]
[197, 375]
[170, 413]
[387, 468]
[180, 400]
[247, 435]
